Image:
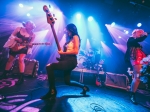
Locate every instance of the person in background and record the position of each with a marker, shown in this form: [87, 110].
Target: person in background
[67, 63]
[134, 55]
[20, 35]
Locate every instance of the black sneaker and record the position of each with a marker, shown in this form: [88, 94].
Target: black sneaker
[50, 95]
[85, 89]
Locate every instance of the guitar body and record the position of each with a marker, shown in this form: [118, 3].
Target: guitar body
[17, 47]
[98, 82]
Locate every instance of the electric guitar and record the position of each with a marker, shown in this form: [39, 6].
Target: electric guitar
[19, 46]
[51, 21]
[100, 73]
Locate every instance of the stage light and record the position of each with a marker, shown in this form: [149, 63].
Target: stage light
[126, 32]
[31, 7]
[139, 25]
[51, 8]
[90, 18]
[21, 5]
[28, 14]
[78, 16]
[143, 1]
[119, 37]
[112, 24]
[59, 13]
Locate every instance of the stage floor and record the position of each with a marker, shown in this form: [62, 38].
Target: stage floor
[25, 98]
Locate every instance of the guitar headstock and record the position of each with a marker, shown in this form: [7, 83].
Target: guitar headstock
[49, 16]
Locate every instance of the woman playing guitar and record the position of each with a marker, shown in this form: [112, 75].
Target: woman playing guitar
[20, 35]
[67, 63]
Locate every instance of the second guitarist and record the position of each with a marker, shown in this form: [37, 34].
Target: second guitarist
[67, 64]
[20, 35]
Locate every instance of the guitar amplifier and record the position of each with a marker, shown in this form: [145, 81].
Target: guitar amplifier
[117, 80]
[31, 67]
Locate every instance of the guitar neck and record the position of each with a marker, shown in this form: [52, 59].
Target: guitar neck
[26, 44]
[51, 21]
[39, 43]
[56, 39]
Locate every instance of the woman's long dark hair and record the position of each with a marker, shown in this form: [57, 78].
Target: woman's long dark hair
[73, 29]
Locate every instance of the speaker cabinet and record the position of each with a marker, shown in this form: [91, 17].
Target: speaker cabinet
[117, 80]
[84, 76]
[31, 67]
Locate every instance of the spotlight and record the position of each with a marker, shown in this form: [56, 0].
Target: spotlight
[90, 18]
[143, 1]
[139, 24]
[119, 36]
[21, 5]
[112, 24]
[28, 14]
[126, 32]
[78, 16]
[51, 8]
[31, 7]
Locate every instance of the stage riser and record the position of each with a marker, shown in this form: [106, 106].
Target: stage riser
[88, 78]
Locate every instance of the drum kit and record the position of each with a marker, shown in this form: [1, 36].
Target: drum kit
[88, 59]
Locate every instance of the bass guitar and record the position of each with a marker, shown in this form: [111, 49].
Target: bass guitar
[51, 21]
[19, 46]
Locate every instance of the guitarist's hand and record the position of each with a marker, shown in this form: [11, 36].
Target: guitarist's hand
[30, 45]
[18, 39]
[60, 52]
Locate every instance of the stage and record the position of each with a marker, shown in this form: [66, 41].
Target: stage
[25, 97]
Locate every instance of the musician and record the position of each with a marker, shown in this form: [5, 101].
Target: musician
[66, 64]
[134, 55]
[20, 35]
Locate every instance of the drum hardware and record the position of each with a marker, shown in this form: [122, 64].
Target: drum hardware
[2, 97]
[88, 59]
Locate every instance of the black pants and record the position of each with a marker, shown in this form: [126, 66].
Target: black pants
[66, 65]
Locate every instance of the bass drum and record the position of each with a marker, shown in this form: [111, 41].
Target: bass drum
[81, 60]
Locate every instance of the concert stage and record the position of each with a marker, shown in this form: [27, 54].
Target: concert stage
[25, 97]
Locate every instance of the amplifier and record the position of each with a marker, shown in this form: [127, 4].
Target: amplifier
[31, 67]
[83, 76]
[117, 80]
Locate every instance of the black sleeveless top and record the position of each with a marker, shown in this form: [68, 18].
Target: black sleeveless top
[24, 40]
